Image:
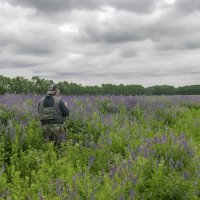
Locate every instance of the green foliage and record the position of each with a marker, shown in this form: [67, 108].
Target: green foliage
[106, 106]
[5, 115]
[37, 85]
[191, 106]
[82, 132]
[157, 184]
[161, 90]
[149, 151]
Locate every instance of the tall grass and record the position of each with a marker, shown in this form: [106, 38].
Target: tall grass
[117, 148]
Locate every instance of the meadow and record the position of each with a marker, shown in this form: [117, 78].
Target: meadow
[118, 147]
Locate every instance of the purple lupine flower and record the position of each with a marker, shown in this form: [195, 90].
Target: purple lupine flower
[108, 119]
[185, 144]
[182, 136]
[139, 150]
[92, 196]
[2, 169]
[178, 164]
[122, 197]
[171, 162]
[145, 153]
[91, 161]
[59, 187]
[195, 183]
[87, 144]
[73, 192]
[5, 194]
[40, 196]
[148, 142]
[130, 164]
[156, 140]
[135, 180]
[62, 138]
[186, 175]
[164, 139]
[132, 194]
[12, 133]
[109, 141]
[133, 155]
[67, 189]
[191, 152]
[113, 171]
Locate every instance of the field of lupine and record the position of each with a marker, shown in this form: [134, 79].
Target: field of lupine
[117, 148]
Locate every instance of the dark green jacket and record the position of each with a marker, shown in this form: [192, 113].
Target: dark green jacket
[52, 110]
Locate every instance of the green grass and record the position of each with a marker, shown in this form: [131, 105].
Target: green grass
[143, 153]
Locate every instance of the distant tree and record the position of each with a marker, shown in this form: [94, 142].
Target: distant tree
[40, 85]
[19, 85]
[37, 85]
[2, 85]
[188, 90]
[160, 90]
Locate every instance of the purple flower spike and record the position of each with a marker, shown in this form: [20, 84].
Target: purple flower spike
[186, 175]
[91, 161]
[113, 171]
[132, 194]
[2, 169]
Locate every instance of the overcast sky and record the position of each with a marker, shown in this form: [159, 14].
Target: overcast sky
[147, 42]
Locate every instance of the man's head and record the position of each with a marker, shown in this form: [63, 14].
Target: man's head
[53, 90]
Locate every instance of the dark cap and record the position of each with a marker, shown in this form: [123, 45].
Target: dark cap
[53, 88]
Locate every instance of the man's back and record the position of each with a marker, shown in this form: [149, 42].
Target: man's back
[52, 113]
[52, 109]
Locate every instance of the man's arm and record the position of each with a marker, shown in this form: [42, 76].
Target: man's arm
[64, 109]
[38, 106]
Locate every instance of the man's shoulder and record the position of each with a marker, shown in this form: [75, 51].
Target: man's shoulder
[42, 98]
[58, 99]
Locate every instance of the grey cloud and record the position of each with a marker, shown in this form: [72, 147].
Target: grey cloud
[131, 50]
[38, 48]
[122, 35]
[16, 63]
[58, 75]
[188, 42]
[33, 50]
[121, 74]
[192, 44]
[188, 70]
[30, 41]
[6, 39]
[168, 47]
[128, 54]
[52, 6]
[16, 45]
[130, 33]
[126, 45]
[187, 6]
[138, 6]
[81, 74]
[121, 30]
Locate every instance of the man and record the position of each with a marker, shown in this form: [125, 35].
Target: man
[52, 114]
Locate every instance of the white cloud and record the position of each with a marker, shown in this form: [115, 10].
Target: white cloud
[169, 1]
[142, 41]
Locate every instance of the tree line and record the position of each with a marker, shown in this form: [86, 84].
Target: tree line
[37, 85]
